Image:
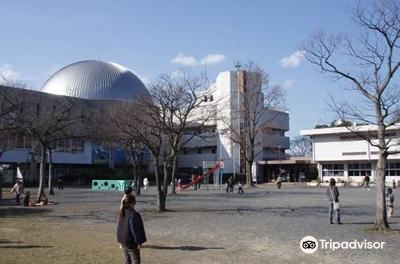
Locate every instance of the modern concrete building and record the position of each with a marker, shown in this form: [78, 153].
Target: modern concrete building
[343, 153]
[96, 82]
[226, 96]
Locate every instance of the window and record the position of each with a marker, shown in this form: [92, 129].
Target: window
[353, 153]
[77, 145]
[359, 169]
[392, 169]
[70, 145]
[333, 170]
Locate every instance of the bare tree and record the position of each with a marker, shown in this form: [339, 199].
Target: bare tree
[255, 115]
[301, 146]
[166, 122]
[122, 130]
[369, 64]
[10, 101]
[47, 121]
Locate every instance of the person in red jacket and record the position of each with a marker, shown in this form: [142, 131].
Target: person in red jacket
[130, 231]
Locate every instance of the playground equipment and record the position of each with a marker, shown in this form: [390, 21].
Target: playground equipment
[109, 185]
[210, 171]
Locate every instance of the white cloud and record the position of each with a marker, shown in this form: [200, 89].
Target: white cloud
[293, 60]
[177, 74]
[8, 75]
[184, 60]
[287, 83]
[191, 61]
[212, 59]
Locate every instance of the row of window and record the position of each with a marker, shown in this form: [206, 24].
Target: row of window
[70, 145]
[187, 151]
[358, 169]
[21, 141]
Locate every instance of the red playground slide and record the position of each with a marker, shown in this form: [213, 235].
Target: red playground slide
[199, 178]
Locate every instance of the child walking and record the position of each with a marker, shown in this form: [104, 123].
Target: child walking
[130, 231]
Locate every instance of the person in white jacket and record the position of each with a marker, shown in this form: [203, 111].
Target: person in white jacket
[145, 184]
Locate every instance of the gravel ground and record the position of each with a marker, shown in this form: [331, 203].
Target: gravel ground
[265, 225]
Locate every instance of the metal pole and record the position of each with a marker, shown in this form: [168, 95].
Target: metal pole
[238, 66]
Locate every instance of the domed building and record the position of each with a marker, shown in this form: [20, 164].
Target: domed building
[91, 84]
[96, 80]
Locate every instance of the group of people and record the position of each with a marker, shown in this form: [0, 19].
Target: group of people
[230, 184]
[18, 189]
[333, 196]
[130, 230]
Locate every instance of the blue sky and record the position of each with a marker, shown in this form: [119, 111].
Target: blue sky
[154, 37]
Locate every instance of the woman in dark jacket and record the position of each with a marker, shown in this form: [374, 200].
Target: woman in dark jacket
[333, 196]
[130, 231]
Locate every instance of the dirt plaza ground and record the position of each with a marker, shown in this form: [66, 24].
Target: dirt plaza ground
[265, 225]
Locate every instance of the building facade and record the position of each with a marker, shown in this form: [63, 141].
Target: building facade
[226, 96]
[344, 154]
[100, 83]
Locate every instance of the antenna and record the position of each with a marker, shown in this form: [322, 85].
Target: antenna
[238, 65]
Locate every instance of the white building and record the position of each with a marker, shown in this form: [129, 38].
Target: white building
[343, 154]
[225, 95]
[97, 81]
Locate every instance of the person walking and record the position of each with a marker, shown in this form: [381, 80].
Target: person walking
[17, 189]
[366, 182]
[145, 184]
[394, 184]
[333, 196]
[240, 188]
[60, 184]
[130, 231]
[279, 181]
[389, 202]
[229, 185]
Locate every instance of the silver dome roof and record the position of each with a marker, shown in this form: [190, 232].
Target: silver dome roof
[94, 79]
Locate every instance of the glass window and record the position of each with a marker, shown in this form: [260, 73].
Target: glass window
[333, 170]
[393, 169]
[359, 169]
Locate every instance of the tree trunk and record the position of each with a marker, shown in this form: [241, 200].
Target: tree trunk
[139, 183]
[135, 171]
[380, 217]
[166, 176]
[51, 187]
[32, 171]
[249, 173]
[41, 172]
[173, 191]
[161, 197]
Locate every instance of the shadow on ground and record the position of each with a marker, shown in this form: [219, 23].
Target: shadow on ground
[24, 246]
[184, 248]
[10, 212]
[5, 243]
